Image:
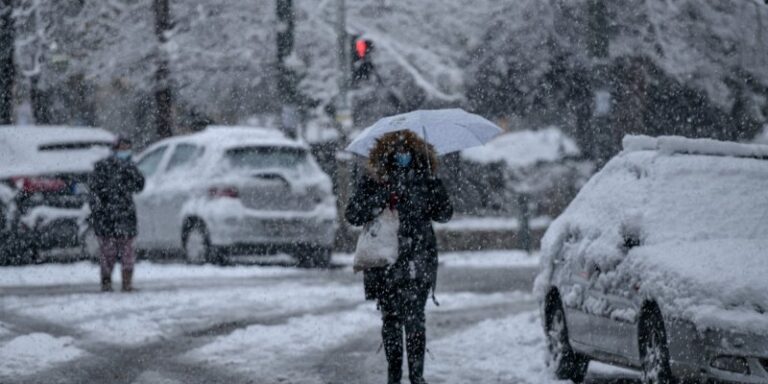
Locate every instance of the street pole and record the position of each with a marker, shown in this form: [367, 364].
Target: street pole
[286, 81]
[163, 95]
[343, 107]
[7, 65]
[343, 124]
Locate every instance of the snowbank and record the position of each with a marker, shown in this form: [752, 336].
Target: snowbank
[474, 259]
[87, 273]
[700, 221]
[490, 224]
[489, 259]
[524, 148]
[34, 353]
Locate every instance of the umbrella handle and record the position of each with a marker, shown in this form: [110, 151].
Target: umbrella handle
[426, 148]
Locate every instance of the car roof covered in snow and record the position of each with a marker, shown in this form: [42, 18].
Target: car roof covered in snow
[696, 211]
[683, 145]
[674, 189]
[225, 137]
[36, 150]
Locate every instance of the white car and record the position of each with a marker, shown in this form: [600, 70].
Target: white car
[661, 263]
[231, 190]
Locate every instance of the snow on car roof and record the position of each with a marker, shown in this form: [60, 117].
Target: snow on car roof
[685, 189]
[20, 148]
[236, 136]
[677, 144]
[37, 135]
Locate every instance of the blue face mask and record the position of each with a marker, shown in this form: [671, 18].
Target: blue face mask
[403, 159]
[123, 155]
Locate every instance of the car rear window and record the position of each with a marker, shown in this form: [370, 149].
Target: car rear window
[266, 157]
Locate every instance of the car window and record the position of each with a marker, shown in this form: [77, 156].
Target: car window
[149, 163]
[183, 155]
[266, 157]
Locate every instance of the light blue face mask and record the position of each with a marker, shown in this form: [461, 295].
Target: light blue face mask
[403, 159]
[123, 155]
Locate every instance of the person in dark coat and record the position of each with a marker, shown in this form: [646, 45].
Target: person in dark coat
[113, 213]
[401, 176]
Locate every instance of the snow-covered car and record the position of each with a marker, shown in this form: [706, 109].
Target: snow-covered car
[661, 263]
[229, 190]
[46, 169]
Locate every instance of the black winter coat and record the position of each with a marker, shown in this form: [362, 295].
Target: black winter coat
[112, 185]
[420, 201]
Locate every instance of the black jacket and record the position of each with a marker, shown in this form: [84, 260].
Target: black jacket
[420, 201]
[112, 185]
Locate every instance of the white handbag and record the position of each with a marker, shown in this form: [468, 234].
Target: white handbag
[377, 244]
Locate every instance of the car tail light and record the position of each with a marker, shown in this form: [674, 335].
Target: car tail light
[230, 192]
[39, 184]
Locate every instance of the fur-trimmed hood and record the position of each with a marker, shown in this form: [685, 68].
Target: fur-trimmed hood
[381, 160]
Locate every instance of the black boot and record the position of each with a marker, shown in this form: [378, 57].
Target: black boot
[106, 283]
[416, 343]
[392, 336]
[127, 280]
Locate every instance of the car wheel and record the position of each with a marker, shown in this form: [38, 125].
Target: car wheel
[314, 256]
[197, 245]
[562, 360]
[89, 246]
[654, 353]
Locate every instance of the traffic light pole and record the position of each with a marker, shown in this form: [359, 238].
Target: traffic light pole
[343, 107]
[344, 125]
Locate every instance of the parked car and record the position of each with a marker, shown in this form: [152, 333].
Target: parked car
[660, 264]
[230, 190]
[44, 174]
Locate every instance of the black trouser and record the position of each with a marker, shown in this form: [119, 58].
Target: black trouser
[402, 307]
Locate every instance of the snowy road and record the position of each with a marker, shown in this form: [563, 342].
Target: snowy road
[264, 324]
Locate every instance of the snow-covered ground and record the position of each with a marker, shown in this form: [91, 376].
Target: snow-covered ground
[35, 352]
[264, 323]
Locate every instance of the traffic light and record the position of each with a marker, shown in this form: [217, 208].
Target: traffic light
[362, 66]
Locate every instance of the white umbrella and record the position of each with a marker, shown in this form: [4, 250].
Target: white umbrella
[448, 130]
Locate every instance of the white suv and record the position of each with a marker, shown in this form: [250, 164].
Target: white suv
[233, 190]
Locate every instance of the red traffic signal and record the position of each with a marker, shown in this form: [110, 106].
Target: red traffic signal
[361, 63]
[362, 47]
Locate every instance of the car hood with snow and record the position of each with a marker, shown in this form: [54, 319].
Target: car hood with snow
[683, 221]
[712, 283]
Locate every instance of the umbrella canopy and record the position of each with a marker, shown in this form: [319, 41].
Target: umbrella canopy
[448, 130]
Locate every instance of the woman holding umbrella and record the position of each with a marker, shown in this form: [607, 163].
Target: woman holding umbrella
[401, 177]
[402, 156]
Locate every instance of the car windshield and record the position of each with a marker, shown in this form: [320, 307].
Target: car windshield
[266, 157]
